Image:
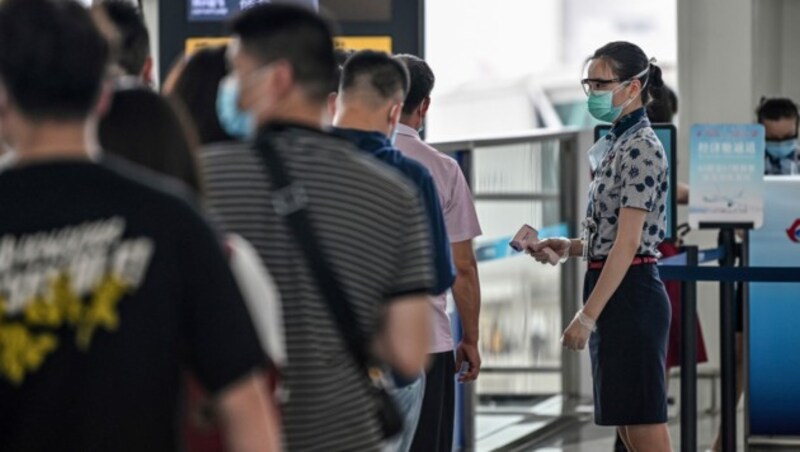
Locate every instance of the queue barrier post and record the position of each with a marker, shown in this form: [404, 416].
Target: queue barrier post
[727, 309]
[689, 357]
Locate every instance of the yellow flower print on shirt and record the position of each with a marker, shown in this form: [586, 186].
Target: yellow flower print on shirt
[23, 348]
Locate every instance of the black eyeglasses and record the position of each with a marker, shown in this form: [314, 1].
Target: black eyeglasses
[596, 84]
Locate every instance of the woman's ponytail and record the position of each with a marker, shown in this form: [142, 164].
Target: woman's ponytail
[655, 84]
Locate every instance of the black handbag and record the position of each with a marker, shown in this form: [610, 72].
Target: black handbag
[289, 201]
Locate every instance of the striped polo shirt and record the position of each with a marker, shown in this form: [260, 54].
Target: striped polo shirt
[372, 227]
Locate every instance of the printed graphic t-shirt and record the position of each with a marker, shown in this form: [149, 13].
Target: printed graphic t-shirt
[109, 289]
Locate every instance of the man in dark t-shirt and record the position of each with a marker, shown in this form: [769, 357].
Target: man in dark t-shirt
[111, 284]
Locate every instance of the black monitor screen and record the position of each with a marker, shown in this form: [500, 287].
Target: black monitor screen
[221, 10]
[666, 133]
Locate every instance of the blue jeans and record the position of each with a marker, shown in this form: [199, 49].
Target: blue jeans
[408, 400]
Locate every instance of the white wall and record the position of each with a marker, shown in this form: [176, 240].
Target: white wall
[474, 41]
[776, 64]
[790, 62]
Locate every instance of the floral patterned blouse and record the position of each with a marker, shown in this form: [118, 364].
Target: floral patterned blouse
[632, 174]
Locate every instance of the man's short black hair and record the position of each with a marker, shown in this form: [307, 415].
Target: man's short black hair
[134, 40]
[52, 58]
[422, 81]
[273, 32]
[386, 76]
[777, 108]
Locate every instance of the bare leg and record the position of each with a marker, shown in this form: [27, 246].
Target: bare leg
[717, 447]
[623, 433]
[650, 438]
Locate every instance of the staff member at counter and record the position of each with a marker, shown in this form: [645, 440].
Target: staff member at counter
[626, 313]
[780, 119]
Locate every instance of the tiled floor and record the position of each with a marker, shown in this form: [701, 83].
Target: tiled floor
[496, 428]
[588, 437]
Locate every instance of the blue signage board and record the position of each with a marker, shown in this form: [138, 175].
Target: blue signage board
[774, 311]
[726, 174]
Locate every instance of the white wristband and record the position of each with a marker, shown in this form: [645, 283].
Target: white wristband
[586, 321]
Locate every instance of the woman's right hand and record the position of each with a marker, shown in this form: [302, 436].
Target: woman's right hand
[550, 251]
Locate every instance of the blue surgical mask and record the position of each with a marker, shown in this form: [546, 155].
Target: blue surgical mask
[780, 150]
[393, 138]
[237, 123]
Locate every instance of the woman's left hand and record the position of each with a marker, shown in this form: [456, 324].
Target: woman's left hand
[577, 333]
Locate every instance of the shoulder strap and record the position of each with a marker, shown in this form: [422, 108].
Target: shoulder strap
[290, 202]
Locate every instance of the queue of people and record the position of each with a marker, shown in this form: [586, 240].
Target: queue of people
[318, 264]
[259, 257]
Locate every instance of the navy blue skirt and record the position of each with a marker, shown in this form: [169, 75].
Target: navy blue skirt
[629, 350]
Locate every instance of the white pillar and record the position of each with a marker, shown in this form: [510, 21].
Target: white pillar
[715, 83]
[715, 65]
[150, 10]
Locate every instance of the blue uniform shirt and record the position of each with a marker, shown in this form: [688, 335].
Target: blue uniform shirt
[780, 167]
[381, 147]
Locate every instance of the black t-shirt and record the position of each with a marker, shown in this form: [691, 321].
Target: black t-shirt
[111, 284]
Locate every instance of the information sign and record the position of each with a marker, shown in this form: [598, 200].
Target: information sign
[726, 175]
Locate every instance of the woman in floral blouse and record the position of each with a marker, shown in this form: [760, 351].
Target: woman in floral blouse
[626, 315]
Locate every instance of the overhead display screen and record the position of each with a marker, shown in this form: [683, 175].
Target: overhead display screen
[221, 10]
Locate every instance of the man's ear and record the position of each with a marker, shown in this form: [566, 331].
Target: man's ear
[332, 96]
[395, 112]
[4, 102]
[424, 106]
[147, 72]
[103, 104]
[281, 79]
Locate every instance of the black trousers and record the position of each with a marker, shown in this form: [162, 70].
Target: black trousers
[435, 427]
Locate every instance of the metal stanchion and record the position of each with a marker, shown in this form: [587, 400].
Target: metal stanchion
[470, 401]
[689, 358]
[728, 344]
[744, 261]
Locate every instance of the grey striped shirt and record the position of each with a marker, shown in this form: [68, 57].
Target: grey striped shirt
[371, 225]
